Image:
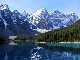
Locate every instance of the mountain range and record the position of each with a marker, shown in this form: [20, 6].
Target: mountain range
[66, 34]
[41, 21]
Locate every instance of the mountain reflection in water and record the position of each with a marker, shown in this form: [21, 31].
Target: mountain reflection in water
[34, 52]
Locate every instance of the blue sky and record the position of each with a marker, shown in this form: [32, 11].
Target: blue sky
[66, 6]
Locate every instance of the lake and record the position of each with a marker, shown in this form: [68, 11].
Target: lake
[35, 52]
[71, 45]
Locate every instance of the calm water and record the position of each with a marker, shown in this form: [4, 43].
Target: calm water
[34, 52]
[71, 45]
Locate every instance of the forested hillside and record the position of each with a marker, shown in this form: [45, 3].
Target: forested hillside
[71, 33]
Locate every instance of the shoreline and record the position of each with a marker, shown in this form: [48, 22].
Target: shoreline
[58, 42]
[71, 42]
[40, 42]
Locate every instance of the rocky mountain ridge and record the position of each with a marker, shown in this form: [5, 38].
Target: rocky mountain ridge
[14, 23]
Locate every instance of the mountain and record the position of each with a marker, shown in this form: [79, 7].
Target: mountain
[15, 23]
[43, 20]
[67, 34]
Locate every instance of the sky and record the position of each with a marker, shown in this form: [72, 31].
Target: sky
[30, 6]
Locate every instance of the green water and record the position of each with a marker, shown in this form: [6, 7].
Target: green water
[61, 47]
[72, 45]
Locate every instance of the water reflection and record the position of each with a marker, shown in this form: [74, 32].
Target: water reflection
[34, 52]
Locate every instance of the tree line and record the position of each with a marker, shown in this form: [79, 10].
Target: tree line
[68, 34]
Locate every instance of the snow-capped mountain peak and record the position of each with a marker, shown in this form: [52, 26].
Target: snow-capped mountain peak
[57, 11]
[40, 20]
[15, 12]
[3, 7]
[41, 17]
[40, 11]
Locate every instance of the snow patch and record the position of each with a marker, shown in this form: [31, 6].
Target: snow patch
[42, 30]
[3, 7]
[5, 23]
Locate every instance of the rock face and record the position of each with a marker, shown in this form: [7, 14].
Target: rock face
[43, 20]
[14, 23]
